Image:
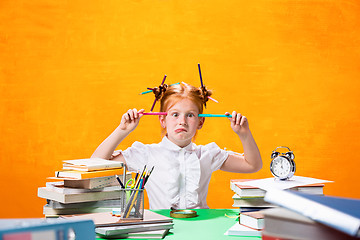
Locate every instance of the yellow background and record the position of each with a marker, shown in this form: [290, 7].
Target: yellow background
[70, 69]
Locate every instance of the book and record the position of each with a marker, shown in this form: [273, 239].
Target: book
[91, 164]
[41, 229]
[53, 212]
[158, 234]
[245, 191]
[253, 220]
[97, 182]
[339, 213]
[251, 191]
[110, 203]
[74, 174]
[251, 209]
[281, 223]
[250, 202]
[242, 230]
[119, 230]
[48, 193]
[108, 220]
[91, 183]
[266, 236]
[60, 188]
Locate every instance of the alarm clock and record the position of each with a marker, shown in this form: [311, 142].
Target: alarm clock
[282, 165]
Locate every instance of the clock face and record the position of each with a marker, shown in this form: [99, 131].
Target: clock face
[281, 167]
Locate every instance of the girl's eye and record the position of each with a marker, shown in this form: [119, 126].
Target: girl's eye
[190, 115]
[175, 114]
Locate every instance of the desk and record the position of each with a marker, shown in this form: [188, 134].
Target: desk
[211, 224]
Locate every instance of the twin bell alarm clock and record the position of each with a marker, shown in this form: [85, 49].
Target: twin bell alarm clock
[282, 164]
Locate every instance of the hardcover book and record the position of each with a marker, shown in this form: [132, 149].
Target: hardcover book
[74, 174]
[339, 213]
[91, 164]
[48, 193]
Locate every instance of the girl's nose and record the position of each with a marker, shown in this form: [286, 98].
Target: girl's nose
[182, 120]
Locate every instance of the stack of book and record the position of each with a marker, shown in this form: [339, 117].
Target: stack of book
[83, 186]
[250, 201]
[249, 198]
[306, 216]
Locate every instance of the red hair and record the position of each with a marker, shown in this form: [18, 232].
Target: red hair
[175, 93]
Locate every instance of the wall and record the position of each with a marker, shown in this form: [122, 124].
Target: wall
[70, 69]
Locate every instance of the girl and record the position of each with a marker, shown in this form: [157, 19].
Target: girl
[182, 169]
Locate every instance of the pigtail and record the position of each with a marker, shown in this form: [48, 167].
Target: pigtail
[205, 94]
[159, 91]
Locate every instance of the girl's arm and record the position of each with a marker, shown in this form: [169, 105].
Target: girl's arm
[129, 121]
[251, 160]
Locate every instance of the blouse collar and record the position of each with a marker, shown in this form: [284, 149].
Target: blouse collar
[172, 146]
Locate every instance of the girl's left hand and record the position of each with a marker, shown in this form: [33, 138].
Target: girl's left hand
[239, 123]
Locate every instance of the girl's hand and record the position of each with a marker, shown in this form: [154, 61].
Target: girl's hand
[239, 123]
[130, 119]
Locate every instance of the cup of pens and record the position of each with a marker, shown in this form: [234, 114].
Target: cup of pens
[132, 203]
[132, 195]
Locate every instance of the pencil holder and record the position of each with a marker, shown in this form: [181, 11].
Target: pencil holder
[132, 204]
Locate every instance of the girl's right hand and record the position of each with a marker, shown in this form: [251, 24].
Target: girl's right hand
[130, 119]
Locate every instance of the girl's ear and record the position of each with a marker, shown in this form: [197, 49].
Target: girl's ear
[201, 122]
[162, 121]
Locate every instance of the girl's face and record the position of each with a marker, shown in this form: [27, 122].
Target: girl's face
[181, 122]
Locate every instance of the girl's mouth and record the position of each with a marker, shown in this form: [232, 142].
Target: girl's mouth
[180, 130]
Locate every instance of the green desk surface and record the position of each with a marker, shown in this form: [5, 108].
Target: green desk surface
[209, 224]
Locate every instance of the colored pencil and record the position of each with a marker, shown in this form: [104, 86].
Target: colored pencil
[200, 115]
[201, 81]
[214, 115]
[154, 113]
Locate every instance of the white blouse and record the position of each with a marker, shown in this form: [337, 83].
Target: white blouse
[181, 176]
